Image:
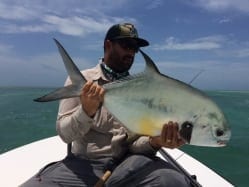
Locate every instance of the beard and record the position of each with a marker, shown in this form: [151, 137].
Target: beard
[119, 63]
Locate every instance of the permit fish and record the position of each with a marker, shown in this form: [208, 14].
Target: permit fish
[144, 102]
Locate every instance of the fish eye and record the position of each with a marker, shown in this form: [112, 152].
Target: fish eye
[187, 125]
[219, 132]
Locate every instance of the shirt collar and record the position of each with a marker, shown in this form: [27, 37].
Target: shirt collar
[110, 74]
[100, 73]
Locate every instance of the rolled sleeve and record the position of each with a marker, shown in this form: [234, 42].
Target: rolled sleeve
[142, 146]
[73, 124]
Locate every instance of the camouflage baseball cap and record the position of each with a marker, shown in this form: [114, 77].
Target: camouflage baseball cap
[125, 30]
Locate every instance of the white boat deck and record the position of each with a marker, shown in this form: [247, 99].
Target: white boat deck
[20, 164]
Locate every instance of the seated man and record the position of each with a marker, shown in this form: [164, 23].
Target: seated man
[99, 141]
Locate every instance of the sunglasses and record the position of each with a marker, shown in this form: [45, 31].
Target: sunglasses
[128, 44]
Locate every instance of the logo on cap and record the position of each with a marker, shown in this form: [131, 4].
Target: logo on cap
[129, 30]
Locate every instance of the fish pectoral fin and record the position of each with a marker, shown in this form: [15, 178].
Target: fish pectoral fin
[60, 93]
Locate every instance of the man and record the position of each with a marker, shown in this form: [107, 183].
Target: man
[99, 141]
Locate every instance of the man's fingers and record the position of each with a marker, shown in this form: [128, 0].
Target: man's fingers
[170, 133]
[101, 93]
[86, 87]
[164, 133]
[91, 97]
[92, 90]
[174, 133]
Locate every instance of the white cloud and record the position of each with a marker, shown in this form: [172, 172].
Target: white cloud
[42, 70]
[223, 5]
[225, 20]
[28, 9]
[5, 49]
[15, 12]
[75, 26]
[215, 74]
[77, 18]
[154, 4]
[17, 28]
[242, 53]
[233, 48]
[78, 26]
[204, 43]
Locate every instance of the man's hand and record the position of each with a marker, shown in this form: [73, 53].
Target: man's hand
[169, 137]
[91, 97]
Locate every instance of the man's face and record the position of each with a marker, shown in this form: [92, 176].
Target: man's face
[122, 54]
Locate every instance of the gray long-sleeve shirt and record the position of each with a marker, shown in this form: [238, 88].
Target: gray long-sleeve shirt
[99, 136]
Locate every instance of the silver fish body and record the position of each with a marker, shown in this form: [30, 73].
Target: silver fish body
[143, 103]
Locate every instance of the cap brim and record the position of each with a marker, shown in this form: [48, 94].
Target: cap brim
[141, 42]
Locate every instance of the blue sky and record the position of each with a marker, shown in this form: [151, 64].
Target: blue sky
[186, 36]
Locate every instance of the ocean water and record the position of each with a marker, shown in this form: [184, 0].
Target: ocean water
[23, 121]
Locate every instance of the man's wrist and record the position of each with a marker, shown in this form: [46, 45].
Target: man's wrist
[90, 114]
[155, 142]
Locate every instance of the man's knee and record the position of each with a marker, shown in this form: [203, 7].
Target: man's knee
[169, 178]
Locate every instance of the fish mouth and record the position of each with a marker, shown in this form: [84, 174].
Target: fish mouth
[222, 142]
[224, 138]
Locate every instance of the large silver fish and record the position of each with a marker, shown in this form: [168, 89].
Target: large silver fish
[143, 103]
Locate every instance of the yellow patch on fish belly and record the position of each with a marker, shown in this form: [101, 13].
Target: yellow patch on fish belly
[148, 127]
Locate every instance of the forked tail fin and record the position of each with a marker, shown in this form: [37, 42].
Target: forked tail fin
[60, 93]
[75, 75]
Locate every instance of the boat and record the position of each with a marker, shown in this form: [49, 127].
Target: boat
[19, 164]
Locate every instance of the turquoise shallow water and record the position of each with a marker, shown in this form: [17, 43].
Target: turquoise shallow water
[23, 121]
